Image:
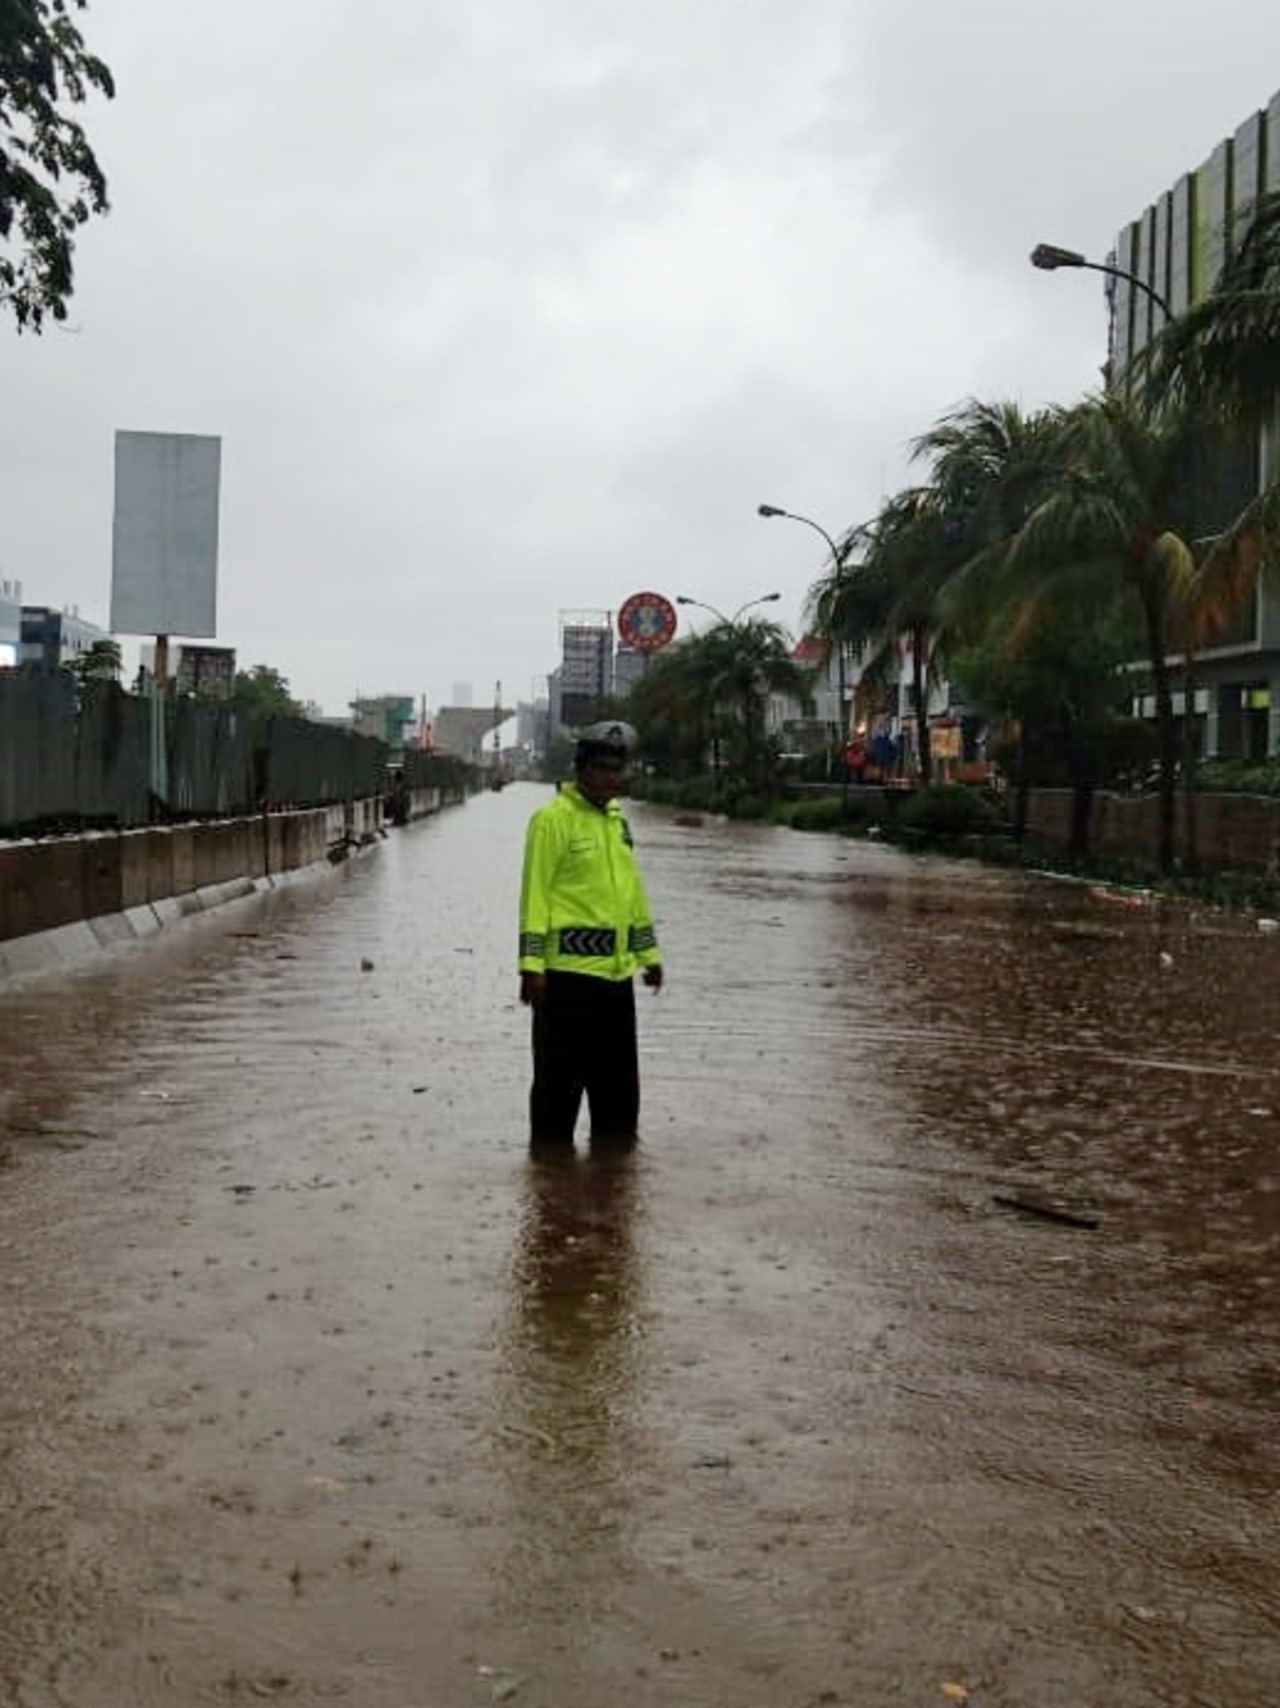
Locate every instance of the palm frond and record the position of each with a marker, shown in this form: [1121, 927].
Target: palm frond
[1221, 357]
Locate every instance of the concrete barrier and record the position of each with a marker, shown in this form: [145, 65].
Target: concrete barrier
[41, 886]
[135, 869]
[275, 844]
[69, 897]
[182, 852]
[423, 802]
[99, 876]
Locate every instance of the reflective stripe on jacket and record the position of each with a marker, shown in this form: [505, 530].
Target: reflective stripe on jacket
[583, 908]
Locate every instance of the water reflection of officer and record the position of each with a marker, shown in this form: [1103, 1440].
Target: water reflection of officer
[574, 1353]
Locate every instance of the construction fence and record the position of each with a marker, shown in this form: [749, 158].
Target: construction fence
[81, 758]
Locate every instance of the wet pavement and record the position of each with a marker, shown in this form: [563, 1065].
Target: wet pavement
[313, 1389]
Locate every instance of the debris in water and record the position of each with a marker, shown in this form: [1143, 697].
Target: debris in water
[366, 965]
[1269, 926]
[503, 1685]
[1047, 1212]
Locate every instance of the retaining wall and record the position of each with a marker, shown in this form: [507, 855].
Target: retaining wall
[81, 891]
[1239, 833]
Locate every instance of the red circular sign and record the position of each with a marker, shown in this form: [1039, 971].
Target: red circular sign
[647, 622]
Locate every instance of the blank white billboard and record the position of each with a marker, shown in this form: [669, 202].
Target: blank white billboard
[164, 548]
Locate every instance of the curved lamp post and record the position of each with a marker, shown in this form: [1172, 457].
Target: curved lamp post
[764, 599]
[768, 511]
[1048, 257]
[728, 622]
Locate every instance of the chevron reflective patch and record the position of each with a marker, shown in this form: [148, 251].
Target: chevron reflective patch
[640, 938]
[533, 946]
[587, 940]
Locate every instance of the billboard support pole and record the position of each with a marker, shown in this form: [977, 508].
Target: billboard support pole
[162, 661]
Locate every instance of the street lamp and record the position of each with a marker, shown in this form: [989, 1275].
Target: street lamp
[768, 511]
[728, 622]
[764, 599]
[1049, 257]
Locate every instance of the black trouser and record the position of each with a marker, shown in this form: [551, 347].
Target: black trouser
[584, 1039]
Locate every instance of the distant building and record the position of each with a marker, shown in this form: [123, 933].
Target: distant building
[10, 622]
[52, 638]
[586, 664]
[388, 717]
[208, 672]
[629, 667]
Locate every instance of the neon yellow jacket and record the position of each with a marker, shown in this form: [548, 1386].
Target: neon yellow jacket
[582, 903]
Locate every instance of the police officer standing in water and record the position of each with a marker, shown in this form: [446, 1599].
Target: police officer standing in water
[585, 931]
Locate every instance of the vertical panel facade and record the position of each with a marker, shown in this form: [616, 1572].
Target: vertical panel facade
[1182, 219]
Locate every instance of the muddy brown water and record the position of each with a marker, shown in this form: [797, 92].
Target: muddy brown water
[313, 1389]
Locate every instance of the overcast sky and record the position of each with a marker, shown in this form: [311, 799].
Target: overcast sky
[510, 307]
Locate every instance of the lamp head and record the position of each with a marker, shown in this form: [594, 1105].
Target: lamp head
[1049, 256]
[769, 510]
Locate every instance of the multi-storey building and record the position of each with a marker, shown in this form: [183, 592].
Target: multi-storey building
[586, 664]
[1177, 248]
[208, 672]
[387, 717]
[52, 638]
[10, 622]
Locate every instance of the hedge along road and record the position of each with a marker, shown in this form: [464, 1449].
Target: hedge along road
[315, 1390]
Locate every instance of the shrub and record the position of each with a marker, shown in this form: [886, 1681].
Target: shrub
[1238, 776]
[695, 793]
[743, 804]
[825, 812]
[944, 810]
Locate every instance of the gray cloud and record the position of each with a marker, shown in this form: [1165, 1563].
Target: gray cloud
[508, 308]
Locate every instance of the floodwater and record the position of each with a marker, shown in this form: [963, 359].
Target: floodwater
[313, 1389]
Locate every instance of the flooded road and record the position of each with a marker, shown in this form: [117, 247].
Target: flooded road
[313, 1389]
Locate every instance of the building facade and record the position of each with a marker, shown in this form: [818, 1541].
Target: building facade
[386, 717]
[208, 672]
[586, 664]
[49, 638]
[10, 623]
[1177, 247]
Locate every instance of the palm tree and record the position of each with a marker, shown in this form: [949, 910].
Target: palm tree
[986, 459]
[1025, 651]
[746, 662]
[891, 598]
[713, 687]
[1221, 358]
[671, 710]
[1121, 507]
